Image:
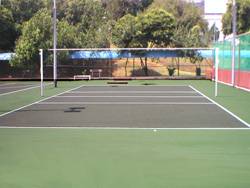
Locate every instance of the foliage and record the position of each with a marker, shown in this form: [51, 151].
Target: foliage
[7, 30]
[124, 31]
[187, 17]
[243, 14]
[119, 8]
[89, 17]
[155, 28]
[37, 34]
[23, 10]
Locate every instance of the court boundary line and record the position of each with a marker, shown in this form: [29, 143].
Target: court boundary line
[126, 103]
[222, 107]
[128, 96]
[6, 84]
[36, 102]
[123, 128]
[21, 90]
[134, 92]
[122, 85]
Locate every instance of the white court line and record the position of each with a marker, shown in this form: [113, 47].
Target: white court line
[124, 103]
[122, 128]
[20, 90]
[11, 87]
[1, 115]
[223, 108]
[122, 85]
[101, 92]
[7, 84]
[127, 96]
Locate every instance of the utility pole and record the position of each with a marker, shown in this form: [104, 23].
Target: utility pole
[234, 23]
[54, 45]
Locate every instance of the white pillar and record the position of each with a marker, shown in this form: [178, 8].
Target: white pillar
[234, 23]
[54, 45]
[216, 70]
[41, 71]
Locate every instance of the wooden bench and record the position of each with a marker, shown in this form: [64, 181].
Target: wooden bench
[96, 71]
[82, 77]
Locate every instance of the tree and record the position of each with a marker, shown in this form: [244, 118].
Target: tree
[187, 16]
[243, 14]
[119, 8]
[124, 31]
[153, 28]
[91, 20]
[37, 34]
[23, 10]
[7, 30]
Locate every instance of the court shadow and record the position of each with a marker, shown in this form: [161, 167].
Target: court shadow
[74, 109]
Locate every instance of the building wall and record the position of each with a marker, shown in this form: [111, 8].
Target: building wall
[213, 13]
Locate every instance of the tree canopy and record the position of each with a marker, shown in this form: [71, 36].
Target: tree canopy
[243, 14]
[7, 30]
[153, 28]
[99, 24]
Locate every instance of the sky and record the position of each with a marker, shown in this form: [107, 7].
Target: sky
[215, 6]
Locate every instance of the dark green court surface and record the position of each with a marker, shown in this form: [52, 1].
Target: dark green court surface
[12, 87]
[109, 152]
[62, 158]
[124, 107]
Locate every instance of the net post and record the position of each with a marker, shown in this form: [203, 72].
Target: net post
[54, 44]
[216, 71]
[41, 71]
[234, 24]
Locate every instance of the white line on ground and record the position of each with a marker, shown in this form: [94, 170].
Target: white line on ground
[122, 128]
[100, 92]
[223, 108]
[20, 90]
[124, 103]
[13, 87]
[128, 96]
[1, 115]
[7, 84]
[121, 85]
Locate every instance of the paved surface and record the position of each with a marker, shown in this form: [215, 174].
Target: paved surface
[10, 87]
[125, 107]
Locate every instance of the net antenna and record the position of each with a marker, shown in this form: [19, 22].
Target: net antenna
[54, 45]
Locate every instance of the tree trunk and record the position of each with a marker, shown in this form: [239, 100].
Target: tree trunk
[126, 64]
[146, 66]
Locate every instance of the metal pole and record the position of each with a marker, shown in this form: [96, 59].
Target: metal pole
[233, 41]
[216, 70]
[41, 71]
[54, 45]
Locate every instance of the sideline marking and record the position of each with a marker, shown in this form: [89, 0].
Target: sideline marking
[20, 90]
[126, 96]
[223, 108]
[121, 103]
[11, 87]
[101, 92]
[4, 114]
[86, 85]
[121, 128]
[6, 84]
